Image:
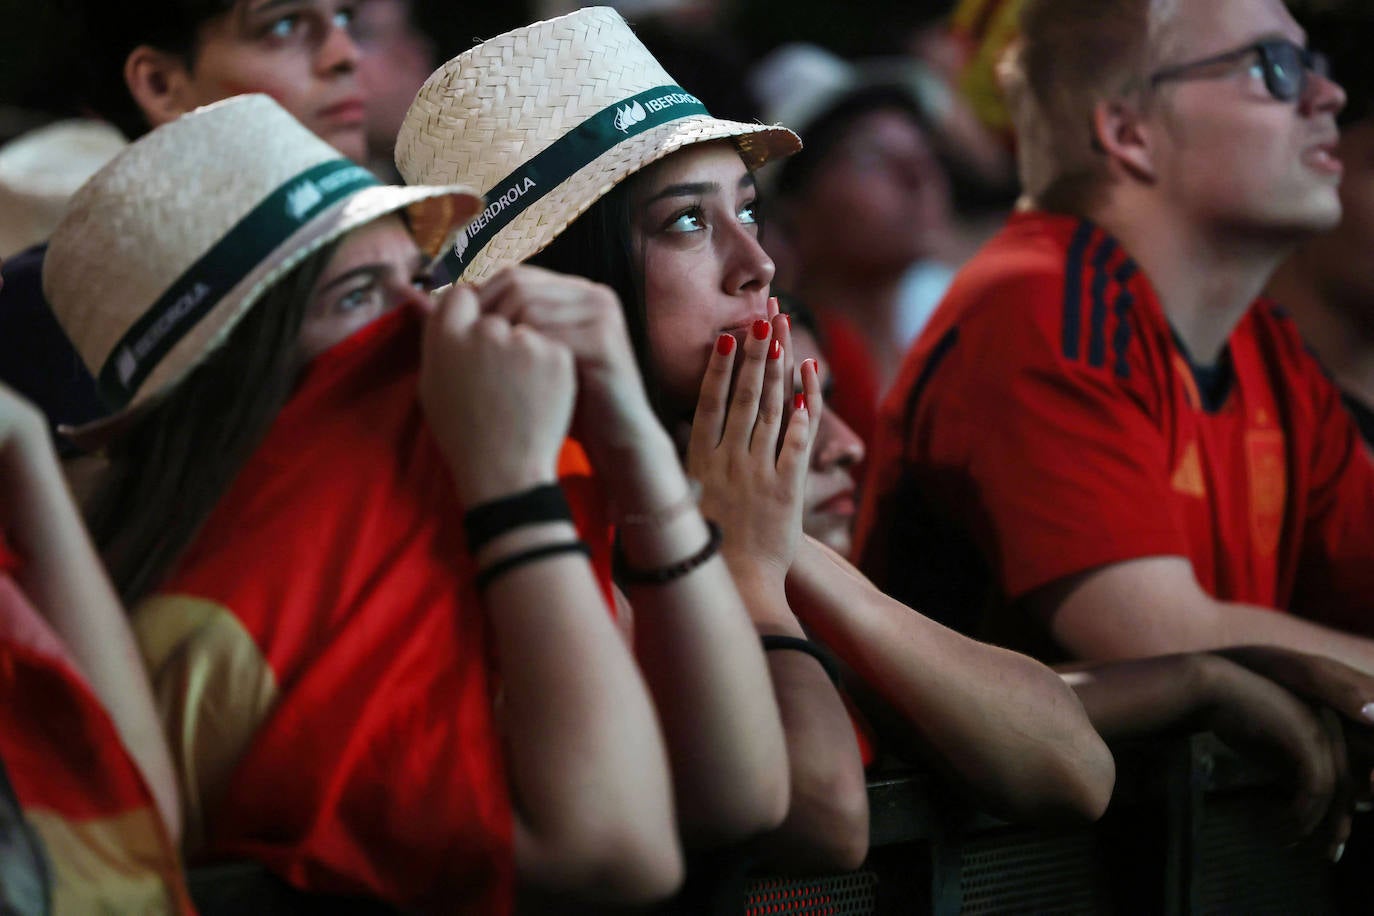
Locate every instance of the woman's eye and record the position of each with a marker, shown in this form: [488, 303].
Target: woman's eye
[343, 18]
[687, 221]
[749, 213]
[423, 281]
[361, 297]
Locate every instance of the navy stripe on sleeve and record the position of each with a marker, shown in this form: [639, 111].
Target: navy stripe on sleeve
[1124, 301]
[1097, 328]
[1073, 288]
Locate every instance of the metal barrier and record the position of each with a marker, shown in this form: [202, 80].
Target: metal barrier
[1192, 829]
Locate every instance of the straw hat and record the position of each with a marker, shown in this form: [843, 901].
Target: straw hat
[40, 170]
[167, 247]
[548, 118]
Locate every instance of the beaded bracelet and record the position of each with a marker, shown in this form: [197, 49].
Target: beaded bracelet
[506, 564]
[488, 521]
[662, 575]
[815, 650]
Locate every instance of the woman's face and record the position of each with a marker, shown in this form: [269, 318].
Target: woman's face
[884, 185]
[375, 269]
[829, 505]
[696, 232]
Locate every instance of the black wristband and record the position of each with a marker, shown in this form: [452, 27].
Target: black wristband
[488, 521]
[815, 650]
[506, 564]
[662, 575]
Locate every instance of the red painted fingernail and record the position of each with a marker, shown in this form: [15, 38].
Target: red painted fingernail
[775, 351]
[762, 329]
[788, 319]
[725, 344]
[799, 402]
[814, 367]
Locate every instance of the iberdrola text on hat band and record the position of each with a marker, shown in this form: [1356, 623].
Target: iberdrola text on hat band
[603, 131]
[192, 296]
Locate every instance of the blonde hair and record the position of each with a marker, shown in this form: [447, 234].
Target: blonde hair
[1073, 54]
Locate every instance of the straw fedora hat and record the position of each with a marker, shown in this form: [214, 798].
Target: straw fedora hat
[165, 249]
[39, 172]
[545, 120]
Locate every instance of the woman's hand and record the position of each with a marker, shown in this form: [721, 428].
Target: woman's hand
[613, 410]
[498, 397]
[1347, 692]
[1255, 714]
[750, 487]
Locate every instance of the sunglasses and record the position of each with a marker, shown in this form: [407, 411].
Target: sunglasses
[1285, 66]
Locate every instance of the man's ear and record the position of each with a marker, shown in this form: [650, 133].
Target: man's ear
[1119, 131]
[159, 83]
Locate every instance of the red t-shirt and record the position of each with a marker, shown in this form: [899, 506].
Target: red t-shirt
[1047, 423]
[106, 847]
[333, 580]
[856, 390]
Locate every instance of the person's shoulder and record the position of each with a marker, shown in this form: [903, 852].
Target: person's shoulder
[23, 280]
[1024, 271]
[30, 259]
[1060, 281]
[1268, 319]
[1273, 329]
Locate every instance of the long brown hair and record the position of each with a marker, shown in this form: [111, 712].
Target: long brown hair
[599, 246]
[173, 463]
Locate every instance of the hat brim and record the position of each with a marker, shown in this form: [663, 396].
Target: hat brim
[435, 214]
[535, 228]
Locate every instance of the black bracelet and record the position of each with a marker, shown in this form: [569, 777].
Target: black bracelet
[488, 521]
[815, 650]
[662, 575]
[506, 564]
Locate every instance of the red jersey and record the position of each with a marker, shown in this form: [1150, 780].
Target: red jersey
[107, 849]
[322, 657]
[855, 388]
[1047, 423]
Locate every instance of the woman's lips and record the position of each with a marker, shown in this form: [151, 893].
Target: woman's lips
[839, 504]
[347, 112]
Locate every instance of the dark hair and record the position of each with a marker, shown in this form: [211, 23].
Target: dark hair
[599, 245]
[829, 127]
[173, 463]
[107, 33]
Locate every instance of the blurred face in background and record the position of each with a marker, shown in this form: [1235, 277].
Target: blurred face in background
[880, 200]
[831, 500]
[396, 59]
[299, 52]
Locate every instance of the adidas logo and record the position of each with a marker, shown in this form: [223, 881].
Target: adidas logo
[629, 116]
[460, 245]
[303, 198]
